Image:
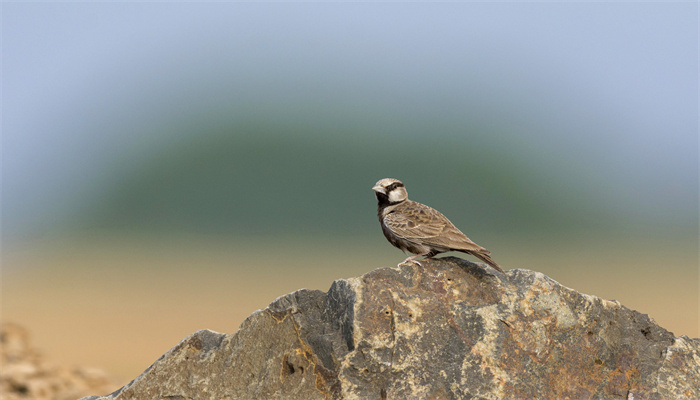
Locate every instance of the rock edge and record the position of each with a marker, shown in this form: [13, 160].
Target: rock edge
[450, 329]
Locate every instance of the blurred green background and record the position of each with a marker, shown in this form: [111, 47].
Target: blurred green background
[172, 167]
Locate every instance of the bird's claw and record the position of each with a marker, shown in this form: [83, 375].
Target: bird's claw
[410, 262]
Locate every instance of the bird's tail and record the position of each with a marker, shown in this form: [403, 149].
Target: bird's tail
[485, 258]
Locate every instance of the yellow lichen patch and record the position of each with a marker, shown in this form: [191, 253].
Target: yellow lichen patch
[542, 297]
[485, 348]
[405, 315]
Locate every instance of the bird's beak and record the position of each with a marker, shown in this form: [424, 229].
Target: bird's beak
[379, 189]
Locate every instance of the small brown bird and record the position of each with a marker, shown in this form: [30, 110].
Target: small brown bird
[419, 229]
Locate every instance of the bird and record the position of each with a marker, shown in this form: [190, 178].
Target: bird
[419, 229]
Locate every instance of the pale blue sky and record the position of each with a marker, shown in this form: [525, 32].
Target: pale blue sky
[610, 87]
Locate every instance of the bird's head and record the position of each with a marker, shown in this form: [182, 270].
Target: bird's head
[391, 191]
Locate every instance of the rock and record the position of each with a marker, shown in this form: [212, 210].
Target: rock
[448, 330]
[26, 374]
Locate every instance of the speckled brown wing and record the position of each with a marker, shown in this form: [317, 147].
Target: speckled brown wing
[417, 222]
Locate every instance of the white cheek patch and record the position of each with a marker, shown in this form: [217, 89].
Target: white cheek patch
[395, 196]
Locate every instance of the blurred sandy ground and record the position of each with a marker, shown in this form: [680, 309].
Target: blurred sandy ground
[119, 303]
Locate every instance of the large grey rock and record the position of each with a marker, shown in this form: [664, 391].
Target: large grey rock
[451, 329]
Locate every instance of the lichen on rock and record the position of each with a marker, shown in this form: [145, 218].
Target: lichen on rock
[447, 329]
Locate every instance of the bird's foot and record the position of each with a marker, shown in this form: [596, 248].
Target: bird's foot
[411, 260]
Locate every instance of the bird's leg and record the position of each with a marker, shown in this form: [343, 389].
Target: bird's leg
[411, 259]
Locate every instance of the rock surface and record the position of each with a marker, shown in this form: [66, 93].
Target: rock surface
[27, 375]
[449, 330]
